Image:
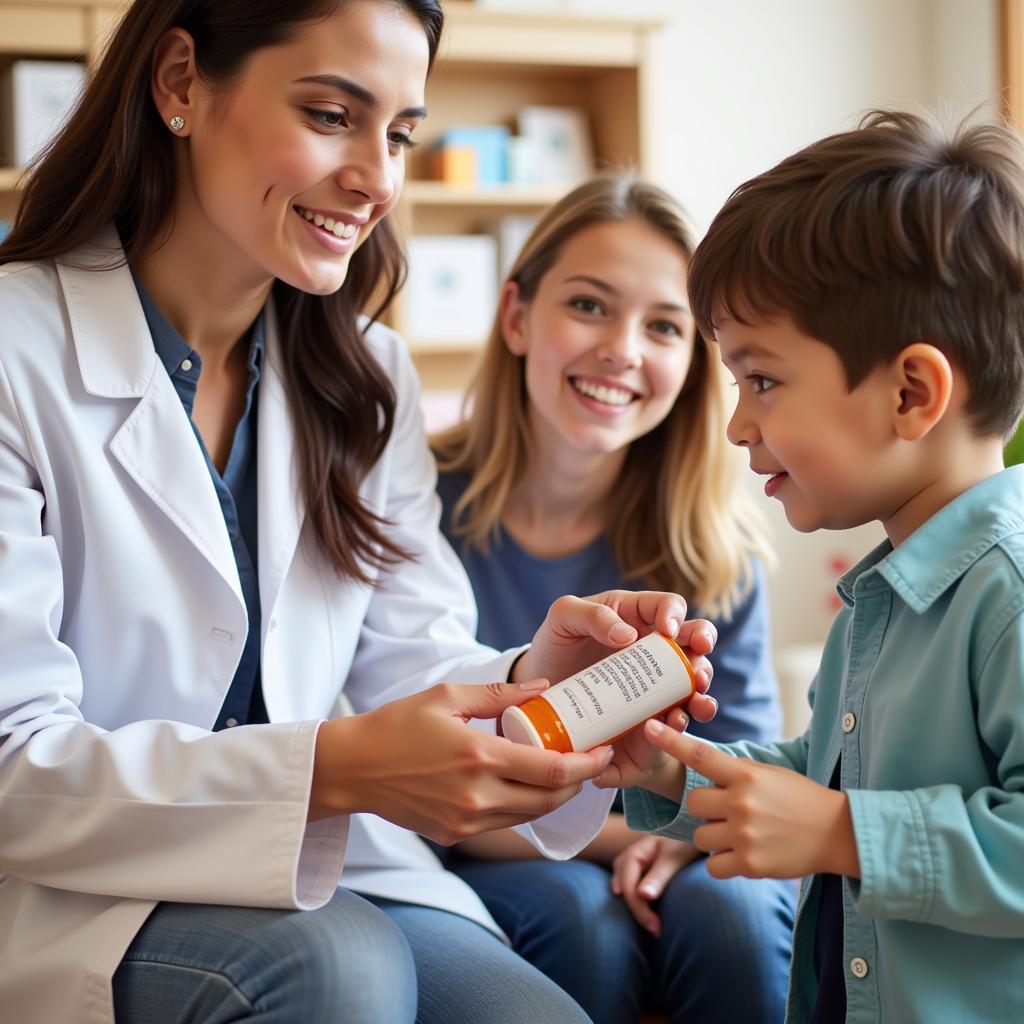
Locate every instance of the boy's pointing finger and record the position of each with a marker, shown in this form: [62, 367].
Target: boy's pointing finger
[703, 758]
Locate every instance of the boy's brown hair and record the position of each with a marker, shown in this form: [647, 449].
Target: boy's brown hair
[876, 238]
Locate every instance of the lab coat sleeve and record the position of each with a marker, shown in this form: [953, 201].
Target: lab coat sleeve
[155, 810]
[421, 621]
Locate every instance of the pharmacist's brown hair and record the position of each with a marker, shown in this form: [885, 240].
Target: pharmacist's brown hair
[676, 517]
[114, 162]
[870, 240]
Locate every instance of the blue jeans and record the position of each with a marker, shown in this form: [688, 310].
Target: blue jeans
[723, 955]
[346, 962]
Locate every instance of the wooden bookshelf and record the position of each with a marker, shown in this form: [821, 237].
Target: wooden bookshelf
[491, 64]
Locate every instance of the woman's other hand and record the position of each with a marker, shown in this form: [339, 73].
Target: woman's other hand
[418, 763]
[642, 871]
[579, 631]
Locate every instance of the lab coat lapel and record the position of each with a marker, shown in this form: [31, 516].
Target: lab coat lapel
[155, 444]
[281, 508]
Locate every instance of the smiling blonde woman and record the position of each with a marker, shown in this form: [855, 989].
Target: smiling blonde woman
[593, 455]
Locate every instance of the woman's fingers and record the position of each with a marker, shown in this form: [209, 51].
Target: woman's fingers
[627, 871]
[703, 670]
[645, 610]
[547, 768]
[677, 719]
[702, 707]
[699, 635]
[486, 700]
[419, 764]
[671, 858]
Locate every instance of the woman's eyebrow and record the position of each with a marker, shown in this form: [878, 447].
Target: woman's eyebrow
[358, 92]
[604, 286]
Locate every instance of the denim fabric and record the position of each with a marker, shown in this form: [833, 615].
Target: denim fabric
[467, 975]
[723, 955]
[347, 962]
[199, 964]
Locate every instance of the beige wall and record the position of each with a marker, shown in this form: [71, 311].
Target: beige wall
[741, 83]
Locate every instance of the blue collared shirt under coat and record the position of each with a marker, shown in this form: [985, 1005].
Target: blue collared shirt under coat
[921, 692]
[236, 492]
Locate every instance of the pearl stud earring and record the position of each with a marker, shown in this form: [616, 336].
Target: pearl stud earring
[177, 122]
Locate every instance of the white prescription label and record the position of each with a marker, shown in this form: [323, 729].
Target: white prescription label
[621, 691]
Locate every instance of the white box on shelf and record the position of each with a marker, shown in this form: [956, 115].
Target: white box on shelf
[511, 232]
[36, 98]
[452, 288]
[561, 140]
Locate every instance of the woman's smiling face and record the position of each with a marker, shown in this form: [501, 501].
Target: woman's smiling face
[299, 158]
[608, 337]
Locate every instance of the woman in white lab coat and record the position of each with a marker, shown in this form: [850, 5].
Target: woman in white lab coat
[218, 534]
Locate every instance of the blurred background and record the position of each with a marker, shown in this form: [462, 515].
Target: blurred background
[529, 97]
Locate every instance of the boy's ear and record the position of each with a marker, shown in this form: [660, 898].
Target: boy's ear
[924, 381]
[512, 318]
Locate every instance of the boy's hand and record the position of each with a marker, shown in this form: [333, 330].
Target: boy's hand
[642, 871]
[762, 821]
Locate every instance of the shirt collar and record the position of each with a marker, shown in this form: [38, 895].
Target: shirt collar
[940, 551]
[171, 347]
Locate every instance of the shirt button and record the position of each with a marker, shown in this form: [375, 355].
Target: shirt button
[859, 967]
[232, 722]
[849, 721]
[273, 624]
[186, 364]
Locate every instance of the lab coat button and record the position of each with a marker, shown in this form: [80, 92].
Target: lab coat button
[859, 967]
[849, 721]
[232, 722]
[273, 624]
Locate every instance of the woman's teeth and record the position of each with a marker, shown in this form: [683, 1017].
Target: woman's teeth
[602, 393]
[335, 227]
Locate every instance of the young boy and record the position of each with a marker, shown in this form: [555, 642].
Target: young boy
[868, 296]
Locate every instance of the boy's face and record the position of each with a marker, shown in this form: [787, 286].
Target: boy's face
[826, 451]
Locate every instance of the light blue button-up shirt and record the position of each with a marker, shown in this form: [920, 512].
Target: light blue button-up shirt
[925, 663]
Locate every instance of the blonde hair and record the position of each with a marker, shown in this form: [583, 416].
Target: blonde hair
[676, 518]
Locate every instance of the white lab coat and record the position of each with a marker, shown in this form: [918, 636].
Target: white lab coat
[122, 621]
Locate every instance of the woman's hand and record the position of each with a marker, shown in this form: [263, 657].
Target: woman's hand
[580, 631]
[642, 871]
[418, 763]
[636, 762]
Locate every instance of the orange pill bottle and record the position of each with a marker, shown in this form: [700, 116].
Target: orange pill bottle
[607, 700]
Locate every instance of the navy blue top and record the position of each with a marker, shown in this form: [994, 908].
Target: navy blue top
[236, 491]
[829, 966]
[514, 589]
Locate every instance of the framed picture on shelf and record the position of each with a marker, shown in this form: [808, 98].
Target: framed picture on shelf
[560, 143]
